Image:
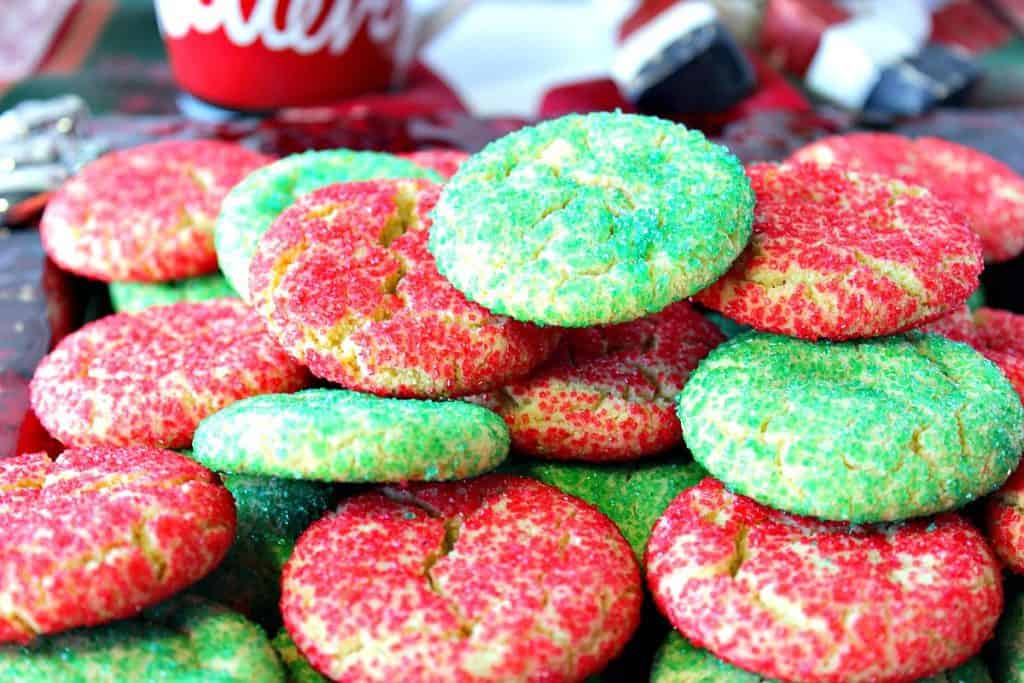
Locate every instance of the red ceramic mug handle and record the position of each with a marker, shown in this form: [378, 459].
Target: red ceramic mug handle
[424, 29]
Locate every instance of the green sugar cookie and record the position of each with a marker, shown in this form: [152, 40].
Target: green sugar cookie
[677, 661]
[339, 435]
[272, 513]
[729, 327]
[132, 297]
[594, 219]
[253, 204]
[867, 431]
[298, 667]
[185, 640]
[632, 495]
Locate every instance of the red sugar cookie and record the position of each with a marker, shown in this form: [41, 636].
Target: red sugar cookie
[102, 533]
[145, 214]
[989, 192]
[842, 255]
[609, 392]
[1004, 520]
[496, 578]
[346, 284]
[148, 378]
[997, 335]
[795, 598]
[444, 161]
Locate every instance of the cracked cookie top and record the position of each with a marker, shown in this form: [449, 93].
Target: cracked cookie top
[344, 281]
[345, 436]
[145, 214]
[840, 255]
[988, 191]
[795, 598]
[997, 335]
[254, 203]
[184, 640]
[589, 220]
[148, 378]
[608, 393]
[497, 578]
[101, 533]
[867, 431]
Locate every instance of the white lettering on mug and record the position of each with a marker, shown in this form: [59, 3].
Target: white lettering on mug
[336, 32]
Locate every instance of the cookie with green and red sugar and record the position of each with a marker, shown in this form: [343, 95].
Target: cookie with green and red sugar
[1004, 521]
[145, 214]
[796, 598]
[101, 533]
[445, 162]
[609, 392]
[837, 255]
[998, 335]
[988, 191]
[148, 378]
[496, 578]
[345, 283]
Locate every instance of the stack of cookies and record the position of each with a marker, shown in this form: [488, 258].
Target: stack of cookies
[344, 425]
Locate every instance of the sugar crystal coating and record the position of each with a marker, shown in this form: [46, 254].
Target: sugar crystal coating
[185, 640]
[841, 255]
[150, 377]
[338, 435]
[677, 661]
[145, 214]
[865, 431]
[987, 190]
[796, 598]
[254, 203]
[496, 578]
[344, 281]
[588, 220]
[608, 393]
[101, 533]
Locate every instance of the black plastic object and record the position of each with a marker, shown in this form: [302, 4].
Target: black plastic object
[934, 76]
[701, 71]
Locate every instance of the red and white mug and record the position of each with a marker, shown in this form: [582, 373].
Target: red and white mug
[265, 54]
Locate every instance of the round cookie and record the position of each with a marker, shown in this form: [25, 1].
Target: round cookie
[997, 335]
[795, 598]
[609, 392]
[988, 191]
[338, 435]
[150, 377]
[677, 661]
[841, 255]
[1006, 652]
[866, 431]
[497, 578]
[101, 533]
[272, 513]
[589, 220]
[445, 162]
[298, 667]
[344, 281]
[132, 297]
[253, 204]
[632, 495]
[185, 640]
[1004, 522]
[145, 214]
